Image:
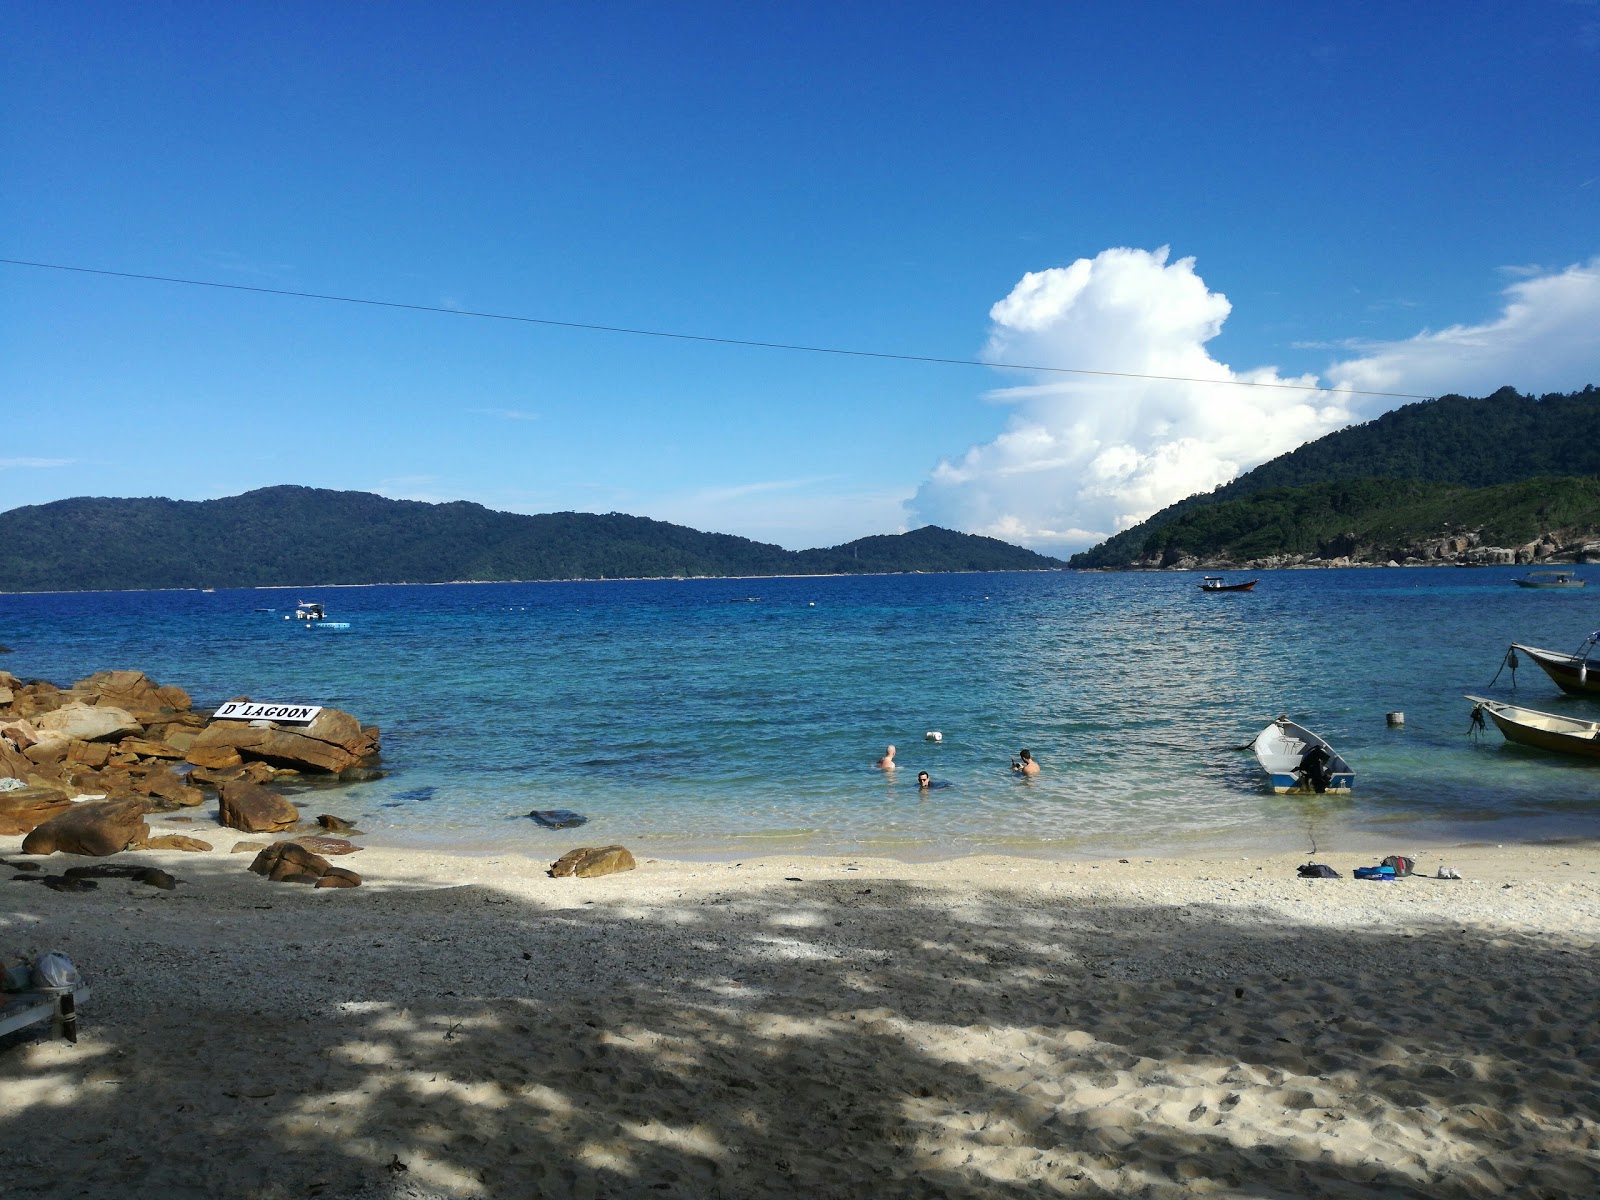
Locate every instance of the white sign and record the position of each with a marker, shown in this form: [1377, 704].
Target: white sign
[241, 710]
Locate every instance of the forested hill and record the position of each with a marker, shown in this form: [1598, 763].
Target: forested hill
[305, 536]
[1503, 438]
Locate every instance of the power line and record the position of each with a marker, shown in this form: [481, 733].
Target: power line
[688, 337]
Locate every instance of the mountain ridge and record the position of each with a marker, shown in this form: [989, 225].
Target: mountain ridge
[294, 536]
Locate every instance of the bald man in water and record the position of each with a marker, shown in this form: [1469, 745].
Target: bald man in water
[886, 763]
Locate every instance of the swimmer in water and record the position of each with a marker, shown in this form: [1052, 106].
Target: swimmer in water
[1027, 766]
[924, 780]
[886, 763]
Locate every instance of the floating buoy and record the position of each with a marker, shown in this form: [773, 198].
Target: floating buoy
[1396, 720]
[933, 735]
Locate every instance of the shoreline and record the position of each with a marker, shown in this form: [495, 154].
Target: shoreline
[817, 1026]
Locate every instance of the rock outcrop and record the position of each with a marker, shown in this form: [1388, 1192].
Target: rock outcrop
[289, 862]
[95, 828]
[252, 808]
[333, 742]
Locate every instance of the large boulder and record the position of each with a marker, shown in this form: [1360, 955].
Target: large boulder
[252, 808]
[91, 722]
[95, 827]
[131, 690]
[331, 743]
[289, 862]
[24, 809]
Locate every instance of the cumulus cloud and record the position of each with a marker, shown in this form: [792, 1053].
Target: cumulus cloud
[1546, 338]
[1085, 456]
[1082, 457]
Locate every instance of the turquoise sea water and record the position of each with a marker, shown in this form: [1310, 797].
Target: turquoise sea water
[708, 718]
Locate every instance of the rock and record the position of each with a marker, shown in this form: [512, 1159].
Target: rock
[156, 877]
[360, 774]
[215, 757]
[289, 862]
[326, 845]
[335, 824]
[148, 749]
[95, 828]
[332, 743]
[241, 847]
[174, 841]
[252, 808]
[256, 772]
[91, 722]
[339, 877]
[558, 818]
[24, 809]
[61, 883]
[166, 786]
[90, 754]
[589, 861]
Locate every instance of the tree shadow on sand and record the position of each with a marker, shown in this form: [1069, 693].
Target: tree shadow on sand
[839, 1038]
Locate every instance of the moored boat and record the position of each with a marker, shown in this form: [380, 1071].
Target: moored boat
[1576, 673]
[1216, 583]
[309, 610]
[1299, 762]
[1549, 579]
[1542, 730]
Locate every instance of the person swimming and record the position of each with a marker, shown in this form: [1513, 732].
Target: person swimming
[886, 763]
[924, 780]
[1026, 766]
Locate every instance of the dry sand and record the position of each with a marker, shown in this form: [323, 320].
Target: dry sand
[982, 1027]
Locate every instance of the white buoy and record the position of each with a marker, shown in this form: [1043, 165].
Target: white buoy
[1396, 720]
[933, 735]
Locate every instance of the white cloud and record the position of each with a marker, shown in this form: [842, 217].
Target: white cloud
[1082, 457]
[1546, 338]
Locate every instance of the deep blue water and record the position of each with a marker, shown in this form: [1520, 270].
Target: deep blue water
[686, 718]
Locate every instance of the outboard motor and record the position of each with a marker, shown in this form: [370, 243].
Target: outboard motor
[1317, 768]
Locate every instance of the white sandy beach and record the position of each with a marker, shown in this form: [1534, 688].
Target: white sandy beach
[981, 1027]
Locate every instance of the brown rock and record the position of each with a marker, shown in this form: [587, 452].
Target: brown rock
[326, 845]
[241, 847]
[90, 754]
[174, 841]
[169, 788]
[335, 824]
[588, 861]
[148, 749]
[339, 877]
[25, 809]
[288, 862]
[95, 828]
[215, 756]
[330, 744]
[252, 808]
[91, 722]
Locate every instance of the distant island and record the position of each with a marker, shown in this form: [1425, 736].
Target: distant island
[1505, 478]
[303, 537]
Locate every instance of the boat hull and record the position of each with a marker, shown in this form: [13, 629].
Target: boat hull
[1565, 670]
[1282, 749]
[1542, 730]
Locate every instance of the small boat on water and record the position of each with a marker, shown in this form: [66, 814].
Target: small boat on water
[309, 610]
[1300, 762]
[1545, 731]
[1216, 583]
[1549, 579]
[1576, 673]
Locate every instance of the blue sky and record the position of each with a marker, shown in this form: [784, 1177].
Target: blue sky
[1400, 198]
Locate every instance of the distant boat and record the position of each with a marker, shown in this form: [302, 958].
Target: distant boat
[1574, 673]
[1216, 583]
[1300, 762]
[309, 610]
[1542, 730]
[1549, 579]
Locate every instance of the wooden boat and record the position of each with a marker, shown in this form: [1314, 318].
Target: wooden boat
[1575, 673]
[1216, 583]
[1299, 762]
[1549, 579]
[1546, 731]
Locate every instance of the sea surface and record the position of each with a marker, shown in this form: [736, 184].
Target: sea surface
[720, 718]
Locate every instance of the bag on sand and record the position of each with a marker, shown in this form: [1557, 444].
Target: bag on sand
[1402, 866]
[1379, 873]
[1318, 871]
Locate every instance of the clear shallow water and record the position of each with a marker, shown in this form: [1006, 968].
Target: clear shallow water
[685, 719]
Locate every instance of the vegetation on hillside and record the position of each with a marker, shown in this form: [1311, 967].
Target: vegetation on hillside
[1373, 518]
[1472, 443]
[298, 535]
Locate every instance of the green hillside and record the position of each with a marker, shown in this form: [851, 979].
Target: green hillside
[1374, 518]
[1474, 443]
[304, 536]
